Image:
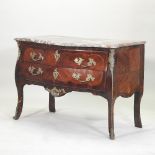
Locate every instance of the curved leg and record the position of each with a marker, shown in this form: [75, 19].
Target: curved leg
[111, 118]
[137, 100]
[20, 101]
[51, 103]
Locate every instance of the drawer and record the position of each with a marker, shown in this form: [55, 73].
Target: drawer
[63, 76]
[83, 77]
[35, 72]
[41, 56]
[84, 59]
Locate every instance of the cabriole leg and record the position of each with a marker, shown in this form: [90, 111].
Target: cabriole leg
[111, 119]
[137, 117]
[20, 101]
[51, 103]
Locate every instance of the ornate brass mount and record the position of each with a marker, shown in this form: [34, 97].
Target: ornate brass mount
[56, 92]
[79, 61]
[77, 76]
[57, 55]
[55, 73]
[36, 57]
[34, 71]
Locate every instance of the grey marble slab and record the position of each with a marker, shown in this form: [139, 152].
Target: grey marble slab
[80, 42]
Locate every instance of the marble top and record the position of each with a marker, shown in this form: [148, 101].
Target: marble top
[80, 42]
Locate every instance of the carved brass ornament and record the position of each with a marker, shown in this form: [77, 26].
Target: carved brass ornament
[57, 55]
[55, 73]
[36, 57]
[56, 92]
[34, 71]
[90, 77]
[91, 62]
[77, 76]
[79, 61]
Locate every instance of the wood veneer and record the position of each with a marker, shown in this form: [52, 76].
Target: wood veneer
[108, 72]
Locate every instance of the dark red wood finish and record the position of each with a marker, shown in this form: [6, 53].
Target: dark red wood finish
[127, 77]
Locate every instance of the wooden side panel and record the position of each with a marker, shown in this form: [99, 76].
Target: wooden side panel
[127, 73]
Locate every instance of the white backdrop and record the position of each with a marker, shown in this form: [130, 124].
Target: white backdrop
[80, 124]
[118, 19]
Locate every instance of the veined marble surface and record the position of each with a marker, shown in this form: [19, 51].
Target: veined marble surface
[82, 42]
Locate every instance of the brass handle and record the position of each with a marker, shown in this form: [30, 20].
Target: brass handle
[34, 71]
[79, 61]
[36, 57]
[77, 76]
[55, 73]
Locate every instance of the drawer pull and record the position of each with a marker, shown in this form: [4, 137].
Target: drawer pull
[79, 61]
[57, 55]
[36, 57]
[89, 78]
[34, 71]
[77, 76]
[91, 62]
[55, 73]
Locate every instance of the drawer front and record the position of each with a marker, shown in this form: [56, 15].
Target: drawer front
[84, 60]
[37, 55]
[64, 76]
[67, 58]
[35, 72]
[81, 77]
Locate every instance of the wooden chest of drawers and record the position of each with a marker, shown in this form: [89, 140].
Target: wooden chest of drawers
[64, 64]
